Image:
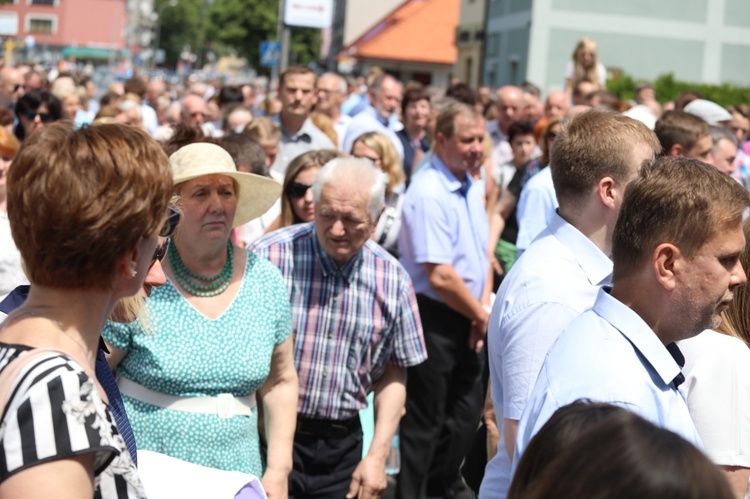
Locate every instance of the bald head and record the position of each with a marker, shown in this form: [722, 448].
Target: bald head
[556, 104]
[386, 95]
[154, 90]
[509, 106]
[193, 110]
[331, 93]
[12, 81]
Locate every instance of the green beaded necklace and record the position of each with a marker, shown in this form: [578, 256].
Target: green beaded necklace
[214, 285]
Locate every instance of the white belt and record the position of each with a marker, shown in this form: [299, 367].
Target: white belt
[225, 405]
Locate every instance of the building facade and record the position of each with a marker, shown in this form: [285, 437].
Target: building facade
[701, 41]
[470, 42]
[47, 28]
[416, 41]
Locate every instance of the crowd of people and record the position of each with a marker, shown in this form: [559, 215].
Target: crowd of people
[518, 295]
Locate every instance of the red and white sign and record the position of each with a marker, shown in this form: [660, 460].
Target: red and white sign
[308, 13]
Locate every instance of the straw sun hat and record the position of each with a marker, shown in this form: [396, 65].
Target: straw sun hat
[256, 194]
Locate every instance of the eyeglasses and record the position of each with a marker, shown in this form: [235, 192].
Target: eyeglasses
[170, 224]
[160, 252]
[31, 116]
[297, 190]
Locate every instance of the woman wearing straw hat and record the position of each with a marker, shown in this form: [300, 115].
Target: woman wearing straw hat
[220, 333]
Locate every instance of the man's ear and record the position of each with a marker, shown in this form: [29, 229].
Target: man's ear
[676, 150]
[375, 222]
[606, 188]
[667, 262]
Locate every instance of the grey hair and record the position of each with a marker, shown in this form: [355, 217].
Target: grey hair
[343, 87]
[718, 133]
[354, 172]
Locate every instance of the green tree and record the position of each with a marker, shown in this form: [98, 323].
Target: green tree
[668, 88]
[181, 25]
[239, 26]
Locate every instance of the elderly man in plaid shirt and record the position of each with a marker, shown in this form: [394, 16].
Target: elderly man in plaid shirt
[357, 328]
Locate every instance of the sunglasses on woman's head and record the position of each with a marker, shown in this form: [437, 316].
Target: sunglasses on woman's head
[45, 117]
[173, 219]
[297, 189]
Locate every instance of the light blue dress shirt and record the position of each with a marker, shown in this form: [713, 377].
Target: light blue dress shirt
[536, 207]
[609, 354]
[308, 138]
[444, 221]
[370, 121]
[556, 280]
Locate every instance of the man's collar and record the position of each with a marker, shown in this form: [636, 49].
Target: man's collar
[375, 114]
[640, 335]
[451, 182]
[304, 130]
[330, 267]
[595, 264]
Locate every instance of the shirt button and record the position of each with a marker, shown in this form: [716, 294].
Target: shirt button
[330, 335]
[336, 298]
[325, 373]
[319, 411]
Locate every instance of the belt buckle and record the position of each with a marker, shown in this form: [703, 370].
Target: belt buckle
[225, 405]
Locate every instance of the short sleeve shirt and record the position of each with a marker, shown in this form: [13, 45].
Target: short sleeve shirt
[444, 222]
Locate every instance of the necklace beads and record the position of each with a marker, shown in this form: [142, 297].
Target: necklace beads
[199, 285]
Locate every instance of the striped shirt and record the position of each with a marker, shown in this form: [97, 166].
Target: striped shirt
[55, 412]
[349, 322]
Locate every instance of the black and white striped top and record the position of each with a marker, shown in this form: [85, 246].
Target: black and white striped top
[54, 412]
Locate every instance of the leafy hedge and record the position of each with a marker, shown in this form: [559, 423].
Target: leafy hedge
[667, 89]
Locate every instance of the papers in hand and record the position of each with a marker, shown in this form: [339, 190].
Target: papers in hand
[166, 477]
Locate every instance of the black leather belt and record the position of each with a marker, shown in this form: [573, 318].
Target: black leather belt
[326, 428]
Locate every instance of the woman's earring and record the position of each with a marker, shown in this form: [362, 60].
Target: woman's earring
[135, 273]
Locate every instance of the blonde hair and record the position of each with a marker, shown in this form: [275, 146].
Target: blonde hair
[305, 161]
[590, 74]
[263, 129]
[735, 321]
[389, 160]
[132, 308]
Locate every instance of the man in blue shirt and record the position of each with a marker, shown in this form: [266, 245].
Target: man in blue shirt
[558, 277]
[385, 95]
[675, 252]
[443, 243]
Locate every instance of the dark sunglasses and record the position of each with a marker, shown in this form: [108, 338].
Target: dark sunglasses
[31, 116]
[160, 252]
[173, 219]
[297, 189]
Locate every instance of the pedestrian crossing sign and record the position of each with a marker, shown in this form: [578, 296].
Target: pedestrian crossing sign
[270, 53]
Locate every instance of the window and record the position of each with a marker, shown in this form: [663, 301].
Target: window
[44, 2]
[41, 24]
[8, 2]
[8, 24]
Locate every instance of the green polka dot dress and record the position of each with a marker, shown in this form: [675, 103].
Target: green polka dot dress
[189, 355]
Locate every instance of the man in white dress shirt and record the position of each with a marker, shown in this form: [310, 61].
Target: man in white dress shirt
[595, 156]
[676, 261]
[385, 95]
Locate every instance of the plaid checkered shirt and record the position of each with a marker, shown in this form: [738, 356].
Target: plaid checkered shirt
[349, 322]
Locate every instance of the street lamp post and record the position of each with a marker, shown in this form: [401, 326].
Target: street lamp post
[162, 8]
